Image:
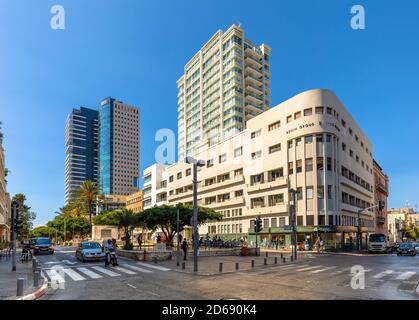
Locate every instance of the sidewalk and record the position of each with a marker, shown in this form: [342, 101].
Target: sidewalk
[209, 266]
[8, 278]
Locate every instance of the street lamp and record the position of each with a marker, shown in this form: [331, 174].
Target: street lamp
[359, 234]
[292, 214]
[196, 164]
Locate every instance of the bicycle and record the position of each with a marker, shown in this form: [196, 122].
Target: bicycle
[26, 255]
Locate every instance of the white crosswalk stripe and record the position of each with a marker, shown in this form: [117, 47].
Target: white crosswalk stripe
[383, 274]
[124, 270]
[73, 274]
[324, 269]
[54, 276]
[90, 273]
[106, 271]
[406, 275]
[308, 268]
[137, 268]
[153, 266]
[295, 266]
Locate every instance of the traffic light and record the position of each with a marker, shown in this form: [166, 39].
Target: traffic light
[258, 224]
[17, 221]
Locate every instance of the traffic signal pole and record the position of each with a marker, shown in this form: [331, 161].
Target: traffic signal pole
[14, 236]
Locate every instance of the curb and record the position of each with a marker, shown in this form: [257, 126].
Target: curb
[38, 293]
[417, 289]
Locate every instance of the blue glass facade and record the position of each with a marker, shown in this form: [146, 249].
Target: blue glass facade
[106, 138]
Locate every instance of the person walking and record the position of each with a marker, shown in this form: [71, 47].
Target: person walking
[185, 247]
[140, 241]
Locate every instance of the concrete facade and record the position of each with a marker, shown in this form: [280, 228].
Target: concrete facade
[381, 195]
[154, 185]
[309, 143]
[225, 84]
[135, 201]
[5, 210]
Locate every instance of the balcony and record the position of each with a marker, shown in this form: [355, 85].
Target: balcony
[254, 98]
[254, 80]
[237, 201]
[253, 71]
[268, 185]
[381, 220]
[216, 185]
[381, 187]
[267, 210]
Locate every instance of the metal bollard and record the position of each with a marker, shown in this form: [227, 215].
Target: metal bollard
[265, 261]
[220, 267]
[237, 266]
[276, 260]
[34, 263]
[155, 259]
[284, 260]
[20, 286]
[36, 279]
[266, 254]
[282, 256]
[183, 265]
[292, 258]
[253, 264]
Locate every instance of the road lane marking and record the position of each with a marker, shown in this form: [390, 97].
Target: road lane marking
[406, 275]
[153, 266]
[383, 274]
[309, 268]
[137, 268]
[324, 269]
[55, 276]
[289, 267]
[90, 273]
[106, 271]
[124, 270]
[130, 285]
[73, 274]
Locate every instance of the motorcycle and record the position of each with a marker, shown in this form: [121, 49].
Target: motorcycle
[111, 257]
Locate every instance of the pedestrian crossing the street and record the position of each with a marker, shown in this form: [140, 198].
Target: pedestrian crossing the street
[61, 274]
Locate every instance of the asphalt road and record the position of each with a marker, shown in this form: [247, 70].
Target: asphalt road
[326, 276]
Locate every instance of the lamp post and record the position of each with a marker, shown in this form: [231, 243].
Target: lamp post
[195, 164]
[292, 214]
[358, 236]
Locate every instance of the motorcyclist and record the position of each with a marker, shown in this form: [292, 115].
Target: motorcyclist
[108, 246]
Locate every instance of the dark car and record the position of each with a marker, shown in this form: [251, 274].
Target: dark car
[406, 249]
[42, 245]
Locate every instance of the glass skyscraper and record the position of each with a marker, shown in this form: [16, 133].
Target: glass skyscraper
[119, 148]
[81, 149]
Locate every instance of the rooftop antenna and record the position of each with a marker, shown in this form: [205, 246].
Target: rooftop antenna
[240, 24]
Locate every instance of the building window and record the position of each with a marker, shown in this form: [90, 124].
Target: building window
[238, 193]
[319, 110]
[276, 199]
[256, 179]
[308, 112]
[299, 193]
[290, 168]
[255, 134]
[350, 131]
[257, 202]
[273, 223]
[275, 148]
[309, 192]
[188, 172]
[274, 125]
[328, 138]
[329, 110]
[290, 144]
[289, 119]
[256, 155]
[320, 192]
[319, 138]
[222, 158]
[320, 163]
[238, 172]
[210, 163]
[171, 179]
[343, 147]
[275, 174]
[329, 191]
[329, 164]
[357, 159]
[281, 221]
[238, 152]
[351, 153]
[343, 123]
[356, 138]
[309, 164]
[308, 139]
[297, 115]
[298, 142]
[299, 165]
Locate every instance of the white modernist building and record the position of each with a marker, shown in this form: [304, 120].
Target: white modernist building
[309, 143]
[154, 185]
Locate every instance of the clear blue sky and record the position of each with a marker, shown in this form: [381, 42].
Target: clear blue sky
[135, 50]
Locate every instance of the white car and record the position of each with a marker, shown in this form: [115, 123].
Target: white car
[90, 250]
[416, 245]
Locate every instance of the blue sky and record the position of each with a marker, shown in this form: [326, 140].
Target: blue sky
[135, 50]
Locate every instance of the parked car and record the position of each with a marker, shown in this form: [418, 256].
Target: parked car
[416, 245]
[42, 245]
[89, 250]
[406, 249]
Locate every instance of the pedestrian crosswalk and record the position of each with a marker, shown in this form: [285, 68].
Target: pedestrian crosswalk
[60, 274]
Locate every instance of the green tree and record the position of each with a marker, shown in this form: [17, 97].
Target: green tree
[107, 218]
[41, 231]
[26, 216]
[165, 218]
[74, 226]
[86, 196]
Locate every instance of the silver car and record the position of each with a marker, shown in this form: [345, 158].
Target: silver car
[90, 250]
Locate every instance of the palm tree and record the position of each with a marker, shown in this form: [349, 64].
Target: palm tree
[128, 221]
[87, 195]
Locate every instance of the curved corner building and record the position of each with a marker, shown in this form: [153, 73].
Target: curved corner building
[309, 143]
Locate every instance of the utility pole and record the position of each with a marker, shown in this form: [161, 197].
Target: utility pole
[14, 222]
[177, 241]
[292, 215]
[64, 228]
[195, 164]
